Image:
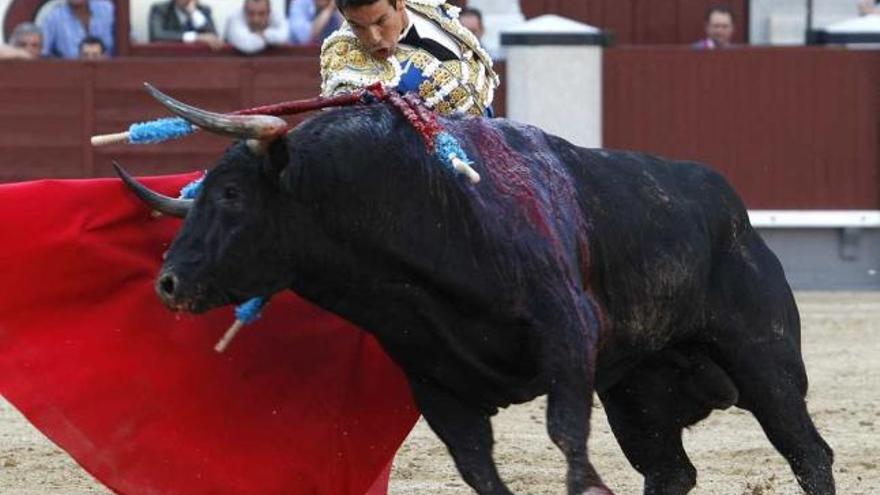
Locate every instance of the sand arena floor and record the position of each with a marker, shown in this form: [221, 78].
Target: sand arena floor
[841, 335]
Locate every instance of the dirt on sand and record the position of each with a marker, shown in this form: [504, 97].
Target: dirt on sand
[841, 342]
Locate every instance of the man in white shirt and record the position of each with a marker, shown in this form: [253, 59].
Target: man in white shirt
[255, 27]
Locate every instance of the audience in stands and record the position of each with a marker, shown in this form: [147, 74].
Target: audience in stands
[256, 26]
[92, 48]
[183, 20]
[313, 20]
[867, 7]
[68, 23]
[26, 42]
[719, 29]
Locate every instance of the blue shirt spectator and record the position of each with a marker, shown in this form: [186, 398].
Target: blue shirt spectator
[63, 30]
[313, 20]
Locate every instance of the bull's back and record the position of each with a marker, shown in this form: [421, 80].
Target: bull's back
[657, 230]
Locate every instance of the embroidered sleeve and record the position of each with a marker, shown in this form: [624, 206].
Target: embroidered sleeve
[448, 21]
[345, 66]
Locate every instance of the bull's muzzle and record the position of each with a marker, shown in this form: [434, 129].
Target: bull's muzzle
[167, 286]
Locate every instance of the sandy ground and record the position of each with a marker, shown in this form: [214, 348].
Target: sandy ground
[841, 334]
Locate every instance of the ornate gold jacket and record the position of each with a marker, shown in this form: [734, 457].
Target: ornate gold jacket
[466, 85]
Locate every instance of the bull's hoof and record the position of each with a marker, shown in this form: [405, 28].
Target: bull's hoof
[597, 490]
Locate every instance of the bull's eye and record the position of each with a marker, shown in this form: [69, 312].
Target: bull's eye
[230, 192]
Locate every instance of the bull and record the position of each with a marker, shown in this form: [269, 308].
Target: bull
[565, 271]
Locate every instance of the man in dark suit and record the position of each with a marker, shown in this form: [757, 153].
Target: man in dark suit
[183, 20]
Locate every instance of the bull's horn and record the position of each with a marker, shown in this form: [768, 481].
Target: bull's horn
[169, 206]
[260, 127]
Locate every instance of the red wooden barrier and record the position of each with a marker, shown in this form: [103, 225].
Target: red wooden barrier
[49, 109]
[791, 128]
[643, 21]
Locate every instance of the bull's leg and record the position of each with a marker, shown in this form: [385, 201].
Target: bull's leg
[775, 393]
[647, 410]
[571, 370]
[759, 340]
[467, 434]
[569, 402]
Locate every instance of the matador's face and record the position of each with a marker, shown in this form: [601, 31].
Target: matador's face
[378, 25]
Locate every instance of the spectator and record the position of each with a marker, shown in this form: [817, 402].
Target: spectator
[868, 7]
[256, 26]
[27, 40]
[313, 20]
[473, 20]
[183, 20]
[92, 48]
[68, 23]
[12, 53]
[719, 29]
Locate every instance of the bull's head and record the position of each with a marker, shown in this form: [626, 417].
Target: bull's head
[235, 217]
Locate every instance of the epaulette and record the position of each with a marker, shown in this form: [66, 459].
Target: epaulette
[345, 65]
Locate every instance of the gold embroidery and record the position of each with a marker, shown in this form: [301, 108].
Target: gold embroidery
[442, 76]
[426, 89]
[457, 96]
[457, 30]
[421, 59]
[444, 108]
[455, 69]
[357, 60]
[475, 69]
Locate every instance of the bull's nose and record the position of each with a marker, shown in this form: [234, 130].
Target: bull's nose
[166, 286]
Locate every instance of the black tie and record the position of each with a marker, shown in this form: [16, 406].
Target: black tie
[413, 39]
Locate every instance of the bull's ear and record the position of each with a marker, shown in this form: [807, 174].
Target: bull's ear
[275, 159]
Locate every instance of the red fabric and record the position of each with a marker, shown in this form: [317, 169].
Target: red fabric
[302, 402]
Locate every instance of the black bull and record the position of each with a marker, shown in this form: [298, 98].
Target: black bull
[565, 270]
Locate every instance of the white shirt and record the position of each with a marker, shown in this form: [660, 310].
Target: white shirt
[239, 35]
[198, 20]
[427, 29]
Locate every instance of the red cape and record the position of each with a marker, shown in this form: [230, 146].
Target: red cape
[302, 402]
